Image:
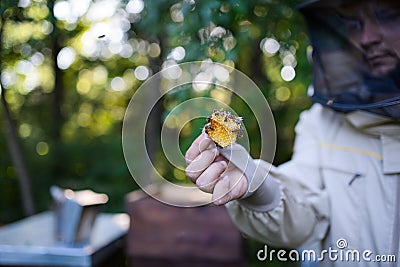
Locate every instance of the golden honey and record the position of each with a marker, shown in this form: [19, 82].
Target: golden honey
[223, 128]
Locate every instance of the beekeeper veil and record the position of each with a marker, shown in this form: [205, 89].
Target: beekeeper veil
[356, 51]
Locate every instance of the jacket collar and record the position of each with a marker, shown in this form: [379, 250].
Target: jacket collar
[374, 124]
[387, 130]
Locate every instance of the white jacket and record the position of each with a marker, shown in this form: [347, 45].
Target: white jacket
[341, 185]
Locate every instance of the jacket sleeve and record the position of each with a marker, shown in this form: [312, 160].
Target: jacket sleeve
[300, 212]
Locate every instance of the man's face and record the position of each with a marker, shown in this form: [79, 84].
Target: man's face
[374, 27]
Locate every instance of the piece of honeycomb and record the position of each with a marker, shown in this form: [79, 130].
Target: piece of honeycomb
[223, 128]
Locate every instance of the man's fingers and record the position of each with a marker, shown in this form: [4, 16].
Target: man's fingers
[199, 164]
[232, 186]
[209, 177]
[199, 145]
[221, 191]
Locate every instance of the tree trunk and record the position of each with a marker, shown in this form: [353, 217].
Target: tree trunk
[15, 150]
[57, 91]
[56, 42]
[17, 159]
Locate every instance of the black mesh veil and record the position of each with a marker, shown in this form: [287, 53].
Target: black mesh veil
[356, 48]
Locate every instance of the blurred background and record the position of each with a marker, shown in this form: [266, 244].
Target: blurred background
[69, 68]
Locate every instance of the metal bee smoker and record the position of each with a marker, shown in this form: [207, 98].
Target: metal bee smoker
[75, 213]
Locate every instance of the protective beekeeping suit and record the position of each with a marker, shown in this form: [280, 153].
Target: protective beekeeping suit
[343, 181]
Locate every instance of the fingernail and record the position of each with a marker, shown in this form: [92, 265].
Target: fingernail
[199, 183]
[224, 163]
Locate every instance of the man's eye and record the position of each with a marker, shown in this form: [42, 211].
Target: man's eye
[353, 25]
[387, 15]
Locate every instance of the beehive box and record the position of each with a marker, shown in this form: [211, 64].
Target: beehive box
[165, 235]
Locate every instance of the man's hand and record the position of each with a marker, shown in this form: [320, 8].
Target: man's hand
[212, 173]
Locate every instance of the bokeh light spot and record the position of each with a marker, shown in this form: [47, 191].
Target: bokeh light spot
[142, 73]
[288, 73]
[65, 58]
[282, 94]
[135, 6]
[42, 148]
[270, 46]
[118, 84]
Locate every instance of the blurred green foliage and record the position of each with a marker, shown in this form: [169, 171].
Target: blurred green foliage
[69, 68]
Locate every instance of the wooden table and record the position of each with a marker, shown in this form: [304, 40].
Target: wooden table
[32, 242]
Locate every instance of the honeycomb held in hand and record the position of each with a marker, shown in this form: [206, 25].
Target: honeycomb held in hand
[223, 128]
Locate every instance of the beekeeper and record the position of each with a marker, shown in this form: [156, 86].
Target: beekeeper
[343, 180]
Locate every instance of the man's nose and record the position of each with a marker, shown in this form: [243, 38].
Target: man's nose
[371, 33]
